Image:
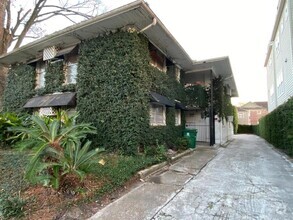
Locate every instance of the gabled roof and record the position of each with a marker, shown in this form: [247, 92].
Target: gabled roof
[218, 67]
[254, 105]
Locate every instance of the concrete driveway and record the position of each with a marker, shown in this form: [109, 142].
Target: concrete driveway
[246, 180]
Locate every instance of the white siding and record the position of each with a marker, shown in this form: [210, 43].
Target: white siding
[280, 72]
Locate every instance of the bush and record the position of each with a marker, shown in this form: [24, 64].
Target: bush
[247, 129]
[158, 152]
[59, 149]
[182, 143]
[7, 122]
[277, 127]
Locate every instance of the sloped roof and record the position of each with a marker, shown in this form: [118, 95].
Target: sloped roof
[254, 105]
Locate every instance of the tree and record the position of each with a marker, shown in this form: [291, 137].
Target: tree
[18, 23]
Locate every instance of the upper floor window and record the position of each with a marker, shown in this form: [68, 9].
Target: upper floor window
[157, 115]
[240, 115]
[177, 73]
[272, 90]
[71, 73]
[40, 78]
[277, 44]
[178, 117]
[281, 25]
[286, 13]
[279, 78]
[158, 59]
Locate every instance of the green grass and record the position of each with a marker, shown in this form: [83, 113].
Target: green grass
[120, 169]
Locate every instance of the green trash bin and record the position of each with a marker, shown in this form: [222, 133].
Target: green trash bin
[190, 134]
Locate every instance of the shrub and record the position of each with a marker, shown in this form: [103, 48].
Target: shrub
[158, 152]
[58, 148]
[7, 122]
[182, 143]
[277, 127]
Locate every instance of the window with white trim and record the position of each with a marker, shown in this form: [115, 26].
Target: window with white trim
[177, 73]
[281, 25]
[277, 44]
[240, 115]
[71, 73]
[280, 78]
[40, 78]
[177, 117]
[157, 115]
[286, 13]
[272, 90]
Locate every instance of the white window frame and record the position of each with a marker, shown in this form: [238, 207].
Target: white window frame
[282, 26]
[40, 78]
[177, 73]
[286, 13]
[177, 117]
[240, 115]
[272, 90]
[70, 76]
[157, 114]
[277, 43]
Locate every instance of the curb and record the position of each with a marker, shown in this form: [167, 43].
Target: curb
[148, 171]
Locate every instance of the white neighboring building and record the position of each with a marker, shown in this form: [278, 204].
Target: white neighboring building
[279, 61]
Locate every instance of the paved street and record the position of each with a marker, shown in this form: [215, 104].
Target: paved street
[246, 180]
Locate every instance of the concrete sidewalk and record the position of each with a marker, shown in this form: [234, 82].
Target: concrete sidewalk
[145, 201]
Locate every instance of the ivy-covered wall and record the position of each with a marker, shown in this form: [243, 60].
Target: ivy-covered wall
[22, 81]
[114, 81]
[19, 87]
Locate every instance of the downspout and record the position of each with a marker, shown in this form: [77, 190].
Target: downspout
[212, 119]
[150, 25]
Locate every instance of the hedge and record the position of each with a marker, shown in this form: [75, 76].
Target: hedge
[277, 127]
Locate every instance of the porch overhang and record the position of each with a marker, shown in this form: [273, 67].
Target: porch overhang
[52, 100]
[215, 67]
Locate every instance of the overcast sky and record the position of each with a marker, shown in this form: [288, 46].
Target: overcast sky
[240, 29]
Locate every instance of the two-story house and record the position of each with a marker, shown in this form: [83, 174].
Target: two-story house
[123, 71]
[251, 112]
[279, 61]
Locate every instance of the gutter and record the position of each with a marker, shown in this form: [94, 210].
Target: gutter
[150, 25]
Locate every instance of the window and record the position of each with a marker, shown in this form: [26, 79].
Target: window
[177, 117]
[71, 73]
[277, 44]
[272, 90]
[286, 13]
[280, 78]
[41, 72]
[157, 115]
[158, 59]
[280, 83]
[281, 25]
[177, 73]
[240, 115]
